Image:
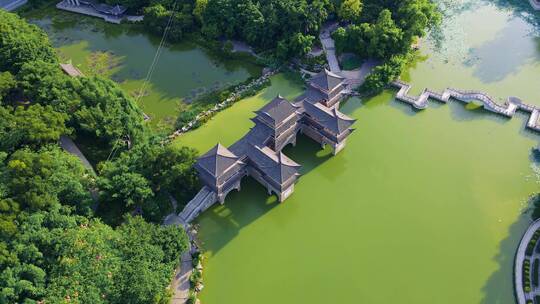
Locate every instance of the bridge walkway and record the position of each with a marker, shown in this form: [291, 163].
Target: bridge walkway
[202, 201]
[507, 109]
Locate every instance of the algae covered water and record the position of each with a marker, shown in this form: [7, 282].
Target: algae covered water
[420, 207]
[125, 53]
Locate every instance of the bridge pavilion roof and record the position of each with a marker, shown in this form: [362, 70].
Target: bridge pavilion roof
[276, 165]
[331, 119]
[218, 160]
[276, 111]
[326, 81]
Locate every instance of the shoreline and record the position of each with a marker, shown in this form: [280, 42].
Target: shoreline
[520, 256]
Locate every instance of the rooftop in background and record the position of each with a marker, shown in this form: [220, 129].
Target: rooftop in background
[326, 81]
[69, 69]
[114, 10]
[112, 14]
[11, 5]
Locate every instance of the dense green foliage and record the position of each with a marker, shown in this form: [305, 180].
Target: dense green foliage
[283, 29]
[96, 106]
[33, 126]
[287, 26]
[53, 247]
[137, 179]
[385, 30]
[21, 42]
[60, 257]
[385, 73]
[375, 28]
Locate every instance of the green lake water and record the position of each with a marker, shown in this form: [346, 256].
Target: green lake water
[420, 207]
[183, 71]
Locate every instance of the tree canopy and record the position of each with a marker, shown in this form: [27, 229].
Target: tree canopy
[136, 179]
[21, 42]
[54, 247]
[385, 30]
[58, 257]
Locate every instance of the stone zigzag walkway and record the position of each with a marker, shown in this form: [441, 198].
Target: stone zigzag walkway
[508, 109]
[518, 266]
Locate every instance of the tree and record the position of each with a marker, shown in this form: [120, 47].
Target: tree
[128, 189]
[107, 113]
[40, 180]
[414, 17]
[383, 74]
[52, 248]
[8, 210]
[10, 135]
[7, 84]
[265, 24]
[199, 10]
[152, 171]
[34, 126]
[350, 10]
[170, 168]
[59, 257]
[21, 42]
[40, 125]
[155, 18]
[316, 14]
[385, 38]
[44, 83]
[298, 45]
[147, 269]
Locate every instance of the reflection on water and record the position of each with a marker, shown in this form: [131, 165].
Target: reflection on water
[512, 47]
[481, 45]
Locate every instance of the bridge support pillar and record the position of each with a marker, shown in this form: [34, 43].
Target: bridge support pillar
[338, 147]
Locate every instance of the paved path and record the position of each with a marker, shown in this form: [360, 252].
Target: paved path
[356, 78]
[11, 5]
[67, 144]
[329, 47]
[242, 47]
[181, 284]
[518, 266]
[353, 78]
[535, 4]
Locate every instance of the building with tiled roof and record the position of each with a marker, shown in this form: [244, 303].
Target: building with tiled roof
[218, 167]
[259, 153]
[327, 87]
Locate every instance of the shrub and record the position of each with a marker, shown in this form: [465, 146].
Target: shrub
[192, 298]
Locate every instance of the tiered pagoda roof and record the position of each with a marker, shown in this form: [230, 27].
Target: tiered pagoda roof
[276, 112]
[330, 119]
[275, 165]
[218, 160]
[326, 81]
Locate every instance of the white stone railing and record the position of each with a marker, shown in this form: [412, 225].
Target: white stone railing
[507, 109]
